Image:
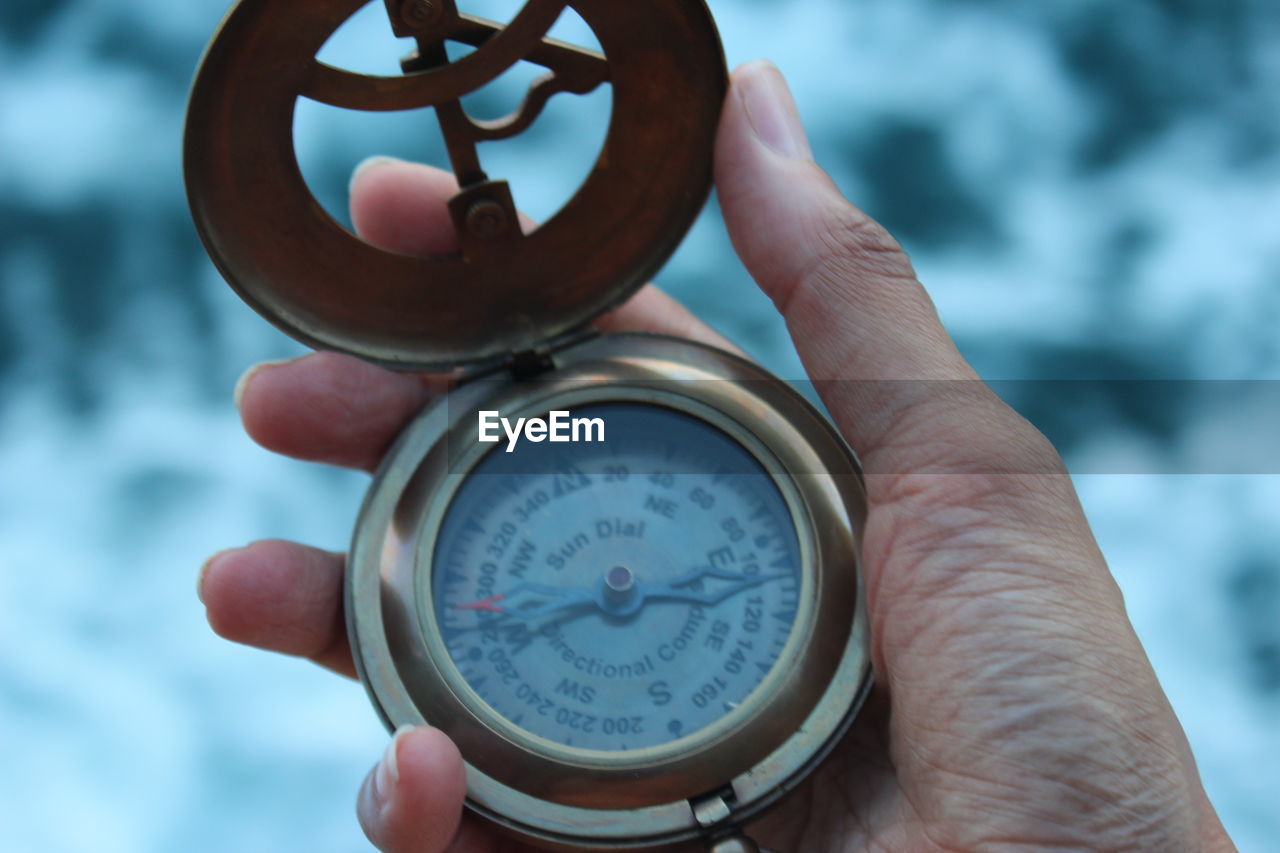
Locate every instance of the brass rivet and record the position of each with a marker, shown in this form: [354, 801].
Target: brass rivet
[417, 13]
[486, 218]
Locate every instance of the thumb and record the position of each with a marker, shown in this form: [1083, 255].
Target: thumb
[866, 330]
[411, 802]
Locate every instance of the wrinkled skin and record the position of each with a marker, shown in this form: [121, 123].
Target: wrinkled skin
[1015, 708]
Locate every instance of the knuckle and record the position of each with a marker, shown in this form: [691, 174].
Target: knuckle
[968, 429]
[973, 467]
[850, 236]
[850, 241]
[847, 248]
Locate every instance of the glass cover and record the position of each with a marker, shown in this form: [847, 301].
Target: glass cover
[619, 594]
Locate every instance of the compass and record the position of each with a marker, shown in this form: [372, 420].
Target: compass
[642, 621]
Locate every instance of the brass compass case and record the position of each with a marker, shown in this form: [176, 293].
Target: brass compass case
[690, 788]
[514, 310]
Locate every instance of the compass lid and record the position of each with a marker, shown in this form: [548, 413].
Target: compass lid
[503, 292]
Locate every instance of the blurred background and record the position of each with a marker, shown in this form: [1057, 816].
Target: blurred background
[1090, 189]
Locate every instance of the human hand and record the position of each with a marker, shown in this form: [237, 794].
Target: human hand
[1024, 712]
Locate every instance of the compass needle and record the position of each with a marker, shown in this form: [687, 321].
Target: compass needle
[489, 604]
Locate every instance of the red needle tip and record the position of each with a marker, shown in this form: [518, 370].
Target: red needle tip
[490, 604]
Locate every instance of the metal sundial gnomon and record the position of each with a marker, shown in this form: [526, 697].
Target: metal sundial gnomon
[504, 291]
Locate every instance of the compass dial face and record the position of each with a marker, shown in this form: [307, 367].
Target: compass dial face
[621, 594]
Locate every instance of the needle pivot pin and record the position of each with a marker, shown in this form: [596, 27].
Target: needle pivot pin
[619, 582]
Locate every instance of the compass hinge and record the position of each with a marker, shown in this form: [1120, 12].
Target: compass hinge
[712, 811]
[530, 362]
[539, 359]
[712, 808]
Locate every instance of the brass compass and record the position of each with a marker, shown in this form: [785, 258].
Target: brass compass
[642, 636]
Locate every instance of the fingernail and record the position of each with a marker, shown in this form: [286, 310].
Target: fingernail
[388, 772]
[204, 571]
[771, 110]
[367, 164]
[243, 382]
